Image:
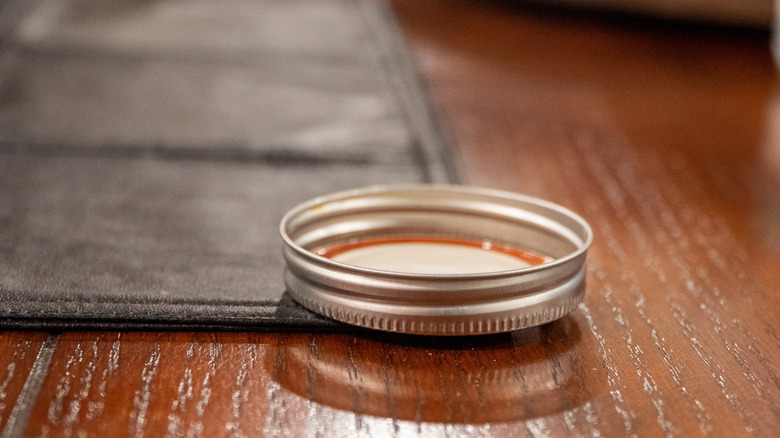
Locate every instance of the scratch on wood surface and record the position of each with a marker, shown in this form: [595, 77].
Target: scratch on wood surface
[179, 404]
[81, 394]
[355, 383]
[668, 203]
[654, 266]
[449, 404]
[768, 366]
[646, 194]
[18, 418]
[683, 273]
[613, 376]
[215, 353]
[95, 408]
[709, 235]
[196, 427]
[617, 198]
[273, 425]
[113, 356]
[592, 419]
[538, 427]
[314, 411]
[144, 395]
[63, 389]
[9, 374]
[387, 378]
[716, 371]
[569, 419]
[662, 223]
[240, 395]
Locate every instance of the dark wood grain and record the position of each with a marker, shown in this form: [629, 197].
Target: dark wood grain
[667, 139]
[18, 351]
[208, 384]
[661, 137]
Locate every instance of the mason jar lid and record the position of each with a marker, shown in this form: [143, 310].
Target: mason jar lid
[435, 259]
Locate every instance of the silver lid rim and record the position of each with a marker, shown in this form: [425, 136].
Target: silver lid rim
[438, 304]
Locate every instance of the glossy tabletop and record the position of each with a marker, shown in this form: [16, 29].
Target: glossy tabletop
[664, 136]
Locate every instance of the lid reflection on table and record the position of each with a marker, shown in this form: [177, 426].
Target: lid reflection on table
[496, 378]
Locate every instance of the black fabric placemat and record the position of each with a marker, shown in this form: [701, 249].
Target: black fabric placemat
[148, 151]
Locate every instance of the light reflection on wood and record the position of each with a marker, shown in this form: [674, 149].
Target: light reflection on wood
[510, 377]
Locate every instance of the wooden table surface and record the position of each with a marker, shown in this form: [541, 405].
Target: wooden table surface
[666, 138]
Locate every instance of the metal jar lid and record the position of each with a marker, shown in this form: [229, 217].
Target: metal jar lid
[431, 303]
